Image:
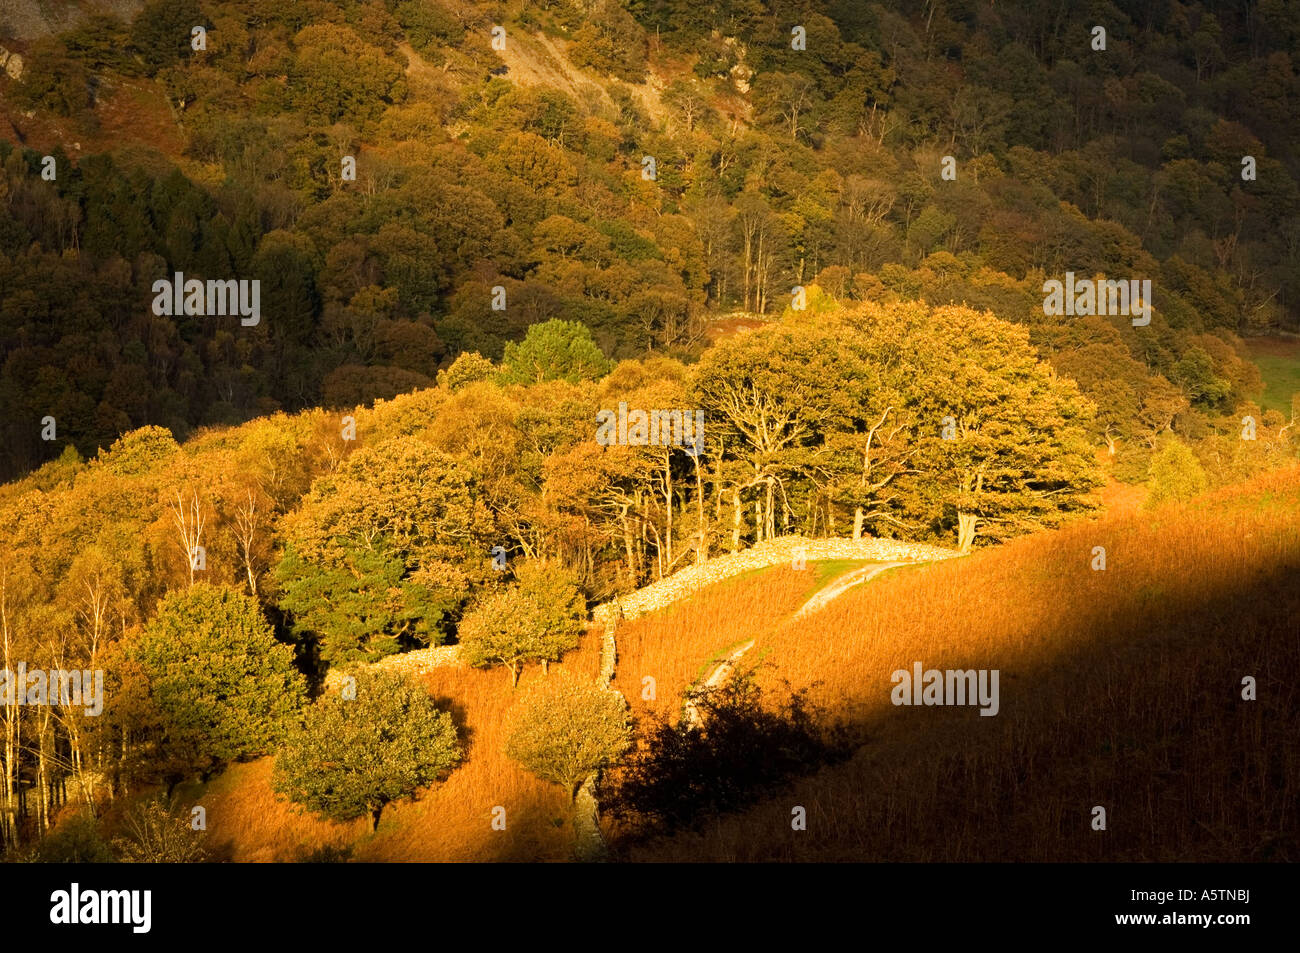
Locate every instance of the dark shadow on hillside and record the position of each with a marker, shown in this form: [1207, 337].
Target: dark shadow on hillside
[1147, 721]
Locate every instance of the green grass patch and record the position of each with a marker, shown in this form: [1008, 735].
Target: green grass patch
[1278, 361]
[824, 572]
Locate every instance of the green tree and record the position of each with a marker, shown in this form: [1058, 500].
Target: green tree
[160, 33]
[218, 684]
[537, 620]
[351, 756]
[566, 727]
[554, 350]
[1175, 474]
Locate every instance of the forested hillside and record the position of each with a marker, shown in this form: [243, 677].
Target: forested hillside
[334, 331]
[495, 188]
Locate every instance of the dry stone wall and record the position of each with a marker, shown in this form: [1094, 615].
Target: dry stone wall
[776, 552]
[687, 582]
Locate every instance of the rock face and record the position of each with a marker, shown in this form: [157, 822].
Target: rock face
[12, 64]
[31, 19]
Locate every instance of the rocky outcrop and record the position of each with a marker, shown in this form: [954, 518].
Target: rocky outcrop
[11, 63]
[28, 20]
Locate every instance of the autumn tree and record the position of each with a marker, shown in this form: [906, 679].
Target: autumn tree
[370, 562]
[356, 752]
[566, 727]
[1002, 440]
[537, 620]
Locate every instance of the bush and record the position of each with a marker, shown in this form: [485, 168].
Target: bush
[1175, 474]
[157, 834]
[740, 750]
[566, 727]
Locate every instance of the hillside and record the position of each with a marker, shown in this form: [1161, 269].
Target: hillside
[27, 20]
[1120, 688]
[428, 422]
[523, 168]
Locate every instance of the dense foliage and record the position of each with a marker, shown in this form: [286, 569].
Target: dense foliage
[440, 334]
[484, 203]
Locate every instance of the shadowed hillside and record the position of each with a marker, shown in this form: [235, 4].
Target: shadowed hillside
[1120, 688]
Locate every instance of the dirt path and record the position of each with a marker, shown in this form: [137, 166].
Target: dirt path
[840, 585]
[716, 678]
[819, 600]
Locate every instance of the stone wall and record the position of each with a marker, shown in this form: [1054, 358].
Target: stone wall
[776, 552]
[687, 582]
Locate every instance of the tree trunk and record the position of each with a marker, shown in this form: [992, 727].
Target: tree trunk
[668, 500]
[966, 525]
[374, 818]
[702, 549]
[857, 523]
[735, 523]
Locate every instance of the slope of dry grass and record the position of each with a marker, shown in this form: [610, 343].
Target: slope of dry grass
[1119, 688]
[451, 821]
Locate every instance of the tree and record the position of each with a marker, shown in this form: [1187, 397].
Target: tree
[1176, 474]
[554, 350]
[567, 727]
[788, 99]
[338, 76]
[612, 41]
[1003, 441]
[744, 744]
[160, 33]
[537, 620]
[352, 756]
[689, 101]
[370, 556]
[468, 368]
[218, 685]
